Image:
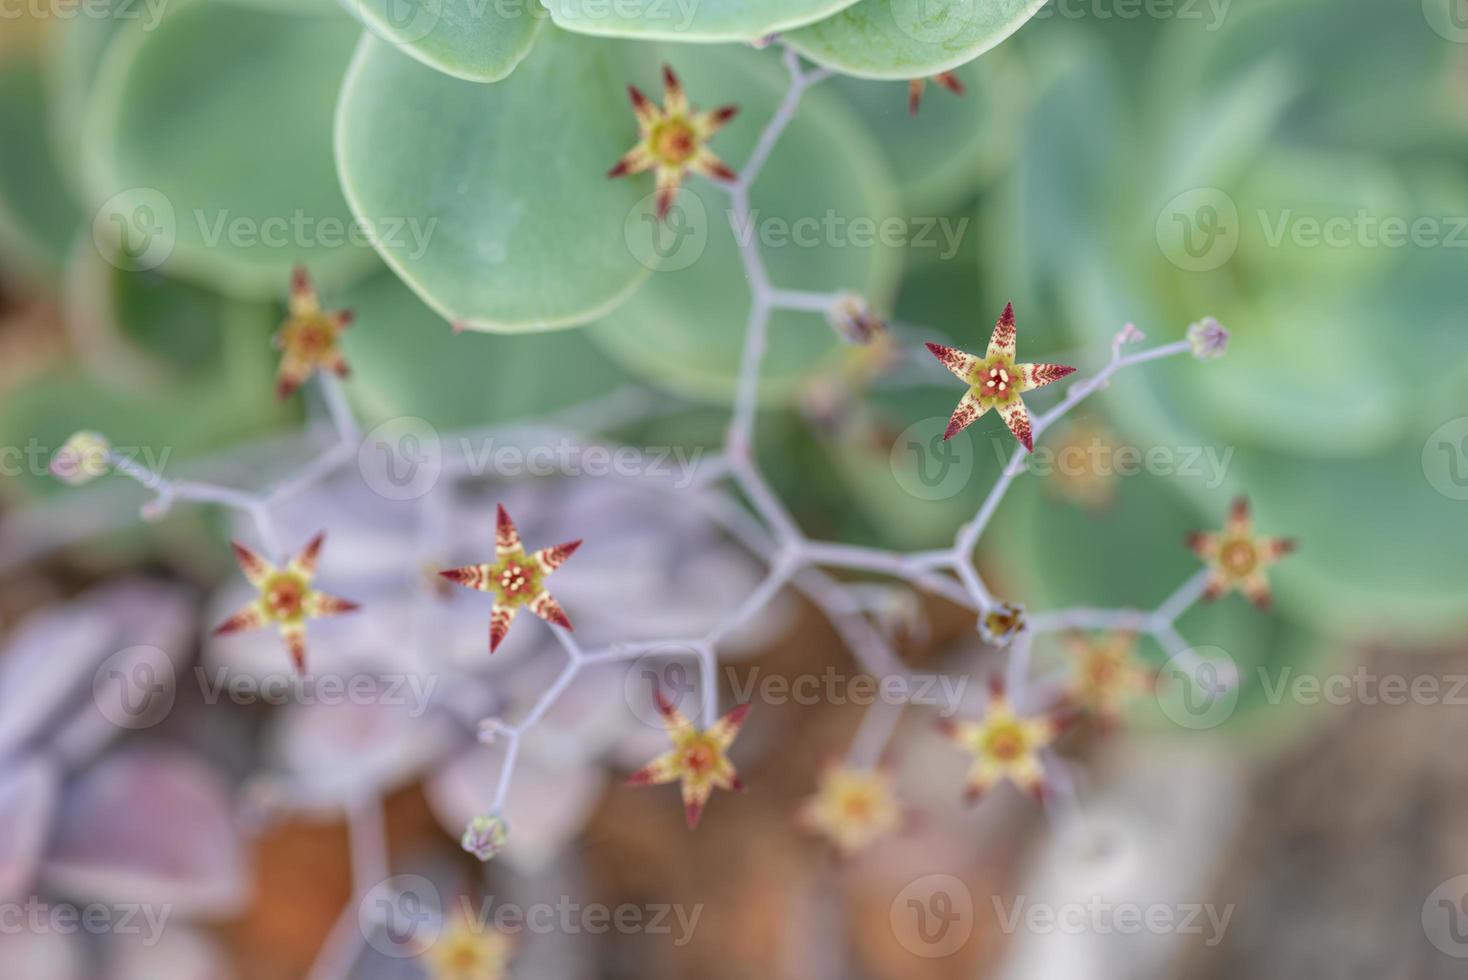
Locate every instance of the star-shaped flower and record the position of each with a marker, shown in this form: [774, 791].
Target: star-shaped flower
[1000, 625]
[852, 808]
[467, 950]
[915, 88]
[697, 759]
[308, 340]
[515, 579]
[286, 598]
[996, 381]
[1238, 557]
[674, 140]
[1005, 745]
[1106, 674]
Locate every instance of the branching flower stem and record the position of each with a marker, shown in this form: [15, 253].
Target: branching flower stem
[765, 527]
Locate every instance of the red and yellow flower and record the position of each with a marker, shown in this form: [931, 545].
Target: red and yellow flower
[1005, 745]
[996, 381]
[515, 579]
[287, 599]
[852, 808]
[468, 951]
[1237, 557]
[698, 760]
[309, 338]
[1106, 674]
[674, 141]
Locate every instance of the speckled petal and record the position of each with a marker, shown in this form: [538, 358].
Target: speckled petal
[471, 577]
[675, 99]
[647, 113]
[501, 618]
[320, 605]
[1017, 417]
[506, 537]
[1040, 375]
[963, 364]
[304, 564]
[708, 164]
[303, 301]
[256, 569]
[545, 606]
[249, 618]
[663, 769]
[966, 414]
[706, 124]
[726, 729]
[551, 559]
[294, 635]
[1001, 341]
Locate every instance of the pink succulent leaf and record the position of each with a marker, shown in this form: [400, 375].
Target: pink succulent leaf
[28, 794]
[152, 825]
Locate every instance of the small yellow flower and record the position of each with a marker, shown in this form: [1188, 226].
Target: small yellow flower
[1084, 473]
[82, 459]
[308, 340]
[852, 808]
[1237, 557]
[286, 598]
[1107, 674]
[1000, 625]
[466, 951]
[697, 759]
[1005, 745]
[674, 141]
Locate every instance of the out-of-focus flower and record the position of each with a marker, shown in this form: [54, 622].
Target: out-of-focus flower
[485, 837]
[286, 598]
[996, 381]
[515, 579]
[1237, 557]
[1005, 745]
[853, 319]
[467, 950]
[1078, 476]
[852, 808]
[309, 338]
[697, 759]
[1000, 625]
[674, 140]
[915, 89]
[1106, 674]
[82, 459]
[1209, 339]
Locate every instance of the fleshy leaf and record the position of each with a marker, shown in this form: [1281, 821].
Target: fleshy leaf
[910, 38]
[514, 226]
[38, 216]
[690, 20]
[476, 40]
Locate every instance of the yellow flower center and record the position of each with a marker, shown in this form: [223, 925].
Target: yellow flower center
[310, 337]
[284, 595]
[674, 142]
[700, 757]
[1238, 557]
[996, 381]
[1005, 741]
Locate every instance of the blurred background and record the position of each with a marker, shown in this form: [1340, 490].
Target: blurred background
[1298, 170]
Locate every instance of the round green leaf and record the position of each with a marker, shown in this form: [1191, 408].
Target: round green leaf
[689, 20]
[477, 40]
[816, 226]
[406, 361]
[492, 201]
[910, 38]
[38, 216]
[208, 147]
